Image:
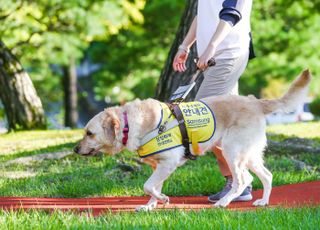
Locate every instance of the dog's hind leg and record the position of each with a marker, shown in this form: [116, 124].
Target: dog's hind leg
[239, 175]
[265, 177]
[255, 164]
[236, 150]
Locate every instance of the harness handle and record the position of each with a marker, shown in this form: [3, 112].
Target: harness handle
[211, 62]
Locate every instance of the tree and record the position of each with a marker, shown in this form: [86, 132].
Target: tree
[22, 105]
[169, 79]
[58, 31]
[70, 94]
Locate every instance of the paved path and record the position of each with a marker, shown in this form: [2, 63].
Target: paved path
[294, 195]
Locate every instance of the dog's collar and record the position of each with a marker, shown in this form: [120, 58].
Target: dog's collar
[125, 129]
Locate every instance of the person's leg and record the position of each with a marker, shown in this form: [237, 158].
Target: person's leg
[225, 171]
[223, 166]
[223, 79]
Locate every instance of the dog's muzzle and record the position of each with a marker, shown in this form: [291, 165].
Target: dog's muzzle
[92, 152]
[76, 149]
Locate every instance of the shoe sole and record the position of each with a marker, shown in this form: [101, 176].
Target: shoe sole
[243, 198]
[240, 198]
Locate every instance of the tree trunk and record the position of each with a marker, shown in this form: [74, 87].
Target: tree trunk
[170, 80]
[22, 105]
[70, 94]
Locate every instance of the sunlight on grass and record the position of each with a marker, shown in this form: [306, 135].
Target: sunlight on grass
[32, 140]
[302, 130]
[76, 176]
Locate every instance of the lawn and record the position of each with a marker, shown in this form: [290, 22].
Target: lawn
[302, 218]
[75, 176]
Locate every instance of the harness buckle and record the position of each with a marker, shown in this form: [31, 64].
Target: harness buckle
[188, 155]
[162, 128]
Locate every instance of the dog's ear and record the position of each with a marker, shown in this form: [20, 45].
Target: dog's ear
[111, 124]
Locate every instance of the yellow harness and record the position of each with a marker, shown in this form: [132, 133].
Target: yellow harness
[200, 123]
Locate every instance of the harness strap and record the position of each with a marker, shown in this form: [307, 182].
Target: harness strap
[175, 109]
[149, 136]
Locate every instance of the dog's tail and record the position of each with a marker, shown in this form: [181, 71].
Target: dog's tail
[292, 98]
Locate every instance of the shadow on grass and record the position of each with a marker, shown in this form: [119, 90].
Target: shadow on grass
[82, 182]
[83, 177]
[49, 149]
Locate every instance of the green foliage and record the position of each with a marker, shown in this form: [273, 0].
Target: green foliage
[2, 114]
[132, 60]
[55, 30]
[315, 106]
[285, 41]
[43, 32]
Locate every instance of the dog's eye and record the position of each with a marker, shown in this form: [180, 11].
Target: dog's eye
[89, 133]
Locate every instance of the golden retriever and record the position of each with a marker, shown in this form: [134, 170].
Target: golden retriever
[240, 126]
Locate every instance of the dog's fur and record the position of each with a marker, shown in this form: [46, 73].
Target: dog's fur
[240, 128]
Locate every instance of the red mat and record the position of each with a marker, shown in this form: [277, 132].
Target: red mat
[294, 195]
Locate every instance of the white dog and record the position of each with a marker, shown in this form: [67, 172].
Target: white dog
[240, 126]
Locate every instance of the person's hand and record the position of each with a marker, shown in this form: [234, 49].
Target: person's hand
[205, 57]
[179, 61]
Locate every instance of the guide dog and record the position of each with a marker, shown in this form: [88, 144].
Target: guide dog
[240, 126]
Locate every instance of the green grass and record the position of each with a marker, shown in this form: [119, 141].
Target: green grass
[300, 218]
[302, 130]
[75, 176]
[18, 144]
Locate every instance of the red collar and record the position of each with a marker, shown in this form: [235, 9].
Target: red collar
[125, 130]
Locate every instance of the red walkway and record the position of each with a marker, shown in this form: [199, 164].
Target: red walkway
[295, 195]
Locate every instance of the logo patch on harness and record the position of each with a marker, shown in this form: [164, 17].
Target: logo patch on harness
[200, 124]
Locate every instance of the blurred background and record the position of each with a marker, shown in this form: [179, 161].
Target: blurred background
[61, 62]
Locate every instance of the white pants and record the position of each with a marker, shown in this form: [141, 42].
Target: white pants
[223, 77]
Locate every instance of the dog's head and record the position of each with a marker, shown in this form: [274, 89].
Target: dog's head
[100, 134]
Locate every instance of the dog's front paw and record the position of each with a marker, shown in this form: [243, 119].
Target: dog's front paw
[260, 202]
[165, 200]
[145, 208]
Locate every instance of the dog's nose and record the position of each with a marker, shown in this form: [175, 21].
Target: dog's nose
[76, 149]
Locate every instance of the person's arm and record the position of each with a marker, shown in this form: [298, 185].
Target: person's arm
[179, 61]
[229, 16]
[190, 37]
